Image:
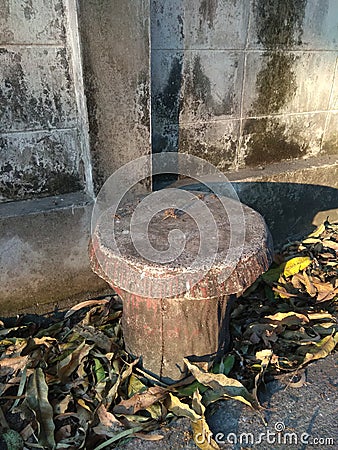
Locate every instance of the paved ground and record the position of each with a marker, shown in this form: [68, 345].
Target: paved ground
[307, 414]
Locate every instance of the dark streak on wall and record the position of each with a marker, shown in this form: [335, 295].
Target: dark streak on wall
[270, 142]
[208, 11]
[43, 168]
[90, 90]
[167, 102]
[279, 23]
[275, 84]
[166, 108]
[198, 93]
[221, 153]
[279, 26]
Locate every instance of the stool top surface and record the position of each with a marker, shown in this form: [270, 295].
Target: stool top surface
[207, 236]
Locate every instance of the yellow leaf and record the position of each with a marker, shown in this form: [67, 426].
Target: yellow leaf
[181, 409]
[311, 241]
[295, 265]
[319, 316]
[264, 356]
[331, 244]
[197, 404]
[82, 403]
[321, 349]
[318, 231]
[202, 435]
[289, 318]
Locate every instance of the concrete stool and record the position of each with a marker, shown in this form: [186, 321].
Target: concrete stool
[160, 322]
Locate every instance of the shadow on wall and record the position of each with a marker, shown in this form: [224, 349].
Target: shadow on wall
[290, 210]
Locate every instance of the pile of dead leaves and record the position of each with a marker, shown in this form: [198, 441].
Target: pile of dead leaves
[289, 316]
[66, 381]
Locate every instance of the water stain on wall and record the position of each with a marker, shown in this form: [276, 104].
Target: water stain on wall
[276, 83]
[208, 11]
[30, 170]
[270, 141]
[142, 100]
[203, 142]
[167, 102]
[198, 98]
[5, 10]
[181, 24]
[198, 86]
[25, 106]
[166, 109]
[279, 26]
[28, 9]
[91, 93]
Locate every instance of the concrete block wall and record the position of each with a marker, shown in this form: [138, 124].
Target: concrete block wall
[43, 144]
[245, 83]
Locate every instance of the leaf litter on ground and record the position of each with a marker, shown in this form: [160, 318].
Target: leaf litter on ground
[66, 381]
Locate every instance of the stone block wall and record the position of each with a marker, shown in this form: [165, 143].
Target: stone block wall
[43, 146]
[245, 83]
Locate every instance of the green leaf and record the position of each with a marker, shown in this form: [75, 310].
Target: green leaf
[121, 377]
[99, 371]
[21, 388]
[13, 440]
[187, 391]
[221, 386]
[37, 401]
[119, 436]
[326, 328]
[272, 275]
[135, 386]
[225, 365]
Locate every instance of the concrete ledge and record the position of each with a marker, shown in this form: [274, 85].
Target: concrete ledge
[44, 254]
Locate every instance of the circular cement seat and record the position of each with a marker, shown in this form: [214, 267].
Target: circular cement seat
[177, 286]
